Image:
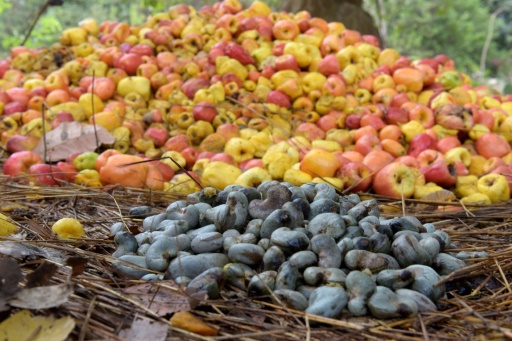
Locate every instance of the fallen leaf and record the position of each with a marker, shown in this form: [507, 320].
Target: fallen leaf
[187, 321]
[41, 230]
[77, 264]
[441, 195]
[449, 209]
[437, 196]
[389, 208]
[195, 296]
[42, 297]
[24, 326]
[42, 275]
[10, 277]
[145, 329]
[18, 251]
[22, 251]
[162, 300]
[11, 206]
[70, 137]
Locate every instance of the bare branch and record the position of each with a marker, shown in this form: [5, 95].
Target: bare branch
[488, 39]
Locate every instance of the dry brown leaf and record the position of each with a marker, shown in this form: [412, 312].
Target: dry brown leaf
[145, 329]
[24, 326]
[162, 300]
[18, 251]
[71, 137]
[42, 275]
[442, 195]
[42, 297]
[10, 277]
[22, 251]
[41, 230]
[11, 206]
[187, 321]
[77, 265]
[389, 209]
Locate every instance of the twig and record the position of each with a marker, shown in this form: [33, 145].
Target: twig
[507, 285]
[164, 158]
[308, 327]
[383, 25]
[403, 200]
[488, 39]
[43, 126]
[423, 328]
[92, 110]
[83, 330]
[43, 106]
[34, 22]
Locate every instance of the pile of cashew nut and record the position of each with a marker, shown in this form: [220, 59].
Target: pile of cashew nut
[306, 247]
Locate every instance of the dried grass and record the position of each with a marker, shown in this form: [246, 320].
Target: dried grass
[479, 307]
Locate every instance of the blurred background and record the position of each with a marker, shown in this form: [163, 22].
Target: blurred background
[477, 34]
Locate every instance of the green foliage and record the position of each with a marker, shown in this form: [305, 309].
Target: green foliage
[49, 28]
[423, 29]
[16, 17]
[458, 28]
[501, 62]
[504, 31]
[4, 6]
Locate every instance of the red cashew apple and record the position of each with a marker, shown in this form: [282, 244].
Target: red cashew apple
[422, 114]
[447, 143]
[390, 131]
[408, 161]
[454, 116]
[356, 176]
[353, 156]
[177, 143]
[396, 115]
[367, 143]
[409, 78]
[492, 163]
[377, 159]
[399, 100]
[251, 163]
[190, 154]
[18, 143]
[205, 111]
[491, 144]
[46, 175]
[428, 157]
[506, 171]
[420, 143]
[395, 180]
[102, 158]
[441, 173]
[18, 163]
[67, 170]
[117, 170]
[364, 131]
[373, 121]
[154, 179]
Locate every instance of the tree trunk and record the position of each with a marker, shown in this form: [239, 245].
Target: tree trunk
[349, 12]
